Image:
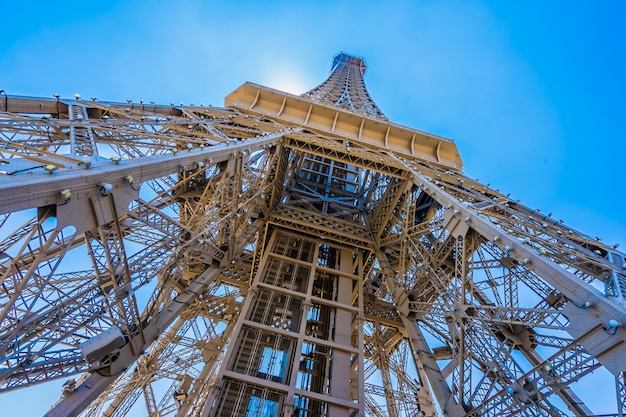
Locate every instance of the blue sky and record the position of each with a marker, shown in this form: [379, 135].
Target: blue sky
[532, 92]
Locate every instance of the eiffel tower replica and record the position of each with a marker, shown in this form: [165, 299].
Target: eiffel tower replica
[286, 256]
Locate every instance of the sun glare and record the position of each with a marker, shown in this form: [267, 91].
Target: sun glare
[288, 81]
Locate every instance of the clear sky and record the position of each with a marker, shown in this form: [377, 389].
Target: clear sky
[533, 92]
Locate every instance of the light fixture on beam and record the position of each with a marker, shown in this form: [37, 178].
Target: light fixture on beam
[50, 168]
[105, 187]
[66, 194]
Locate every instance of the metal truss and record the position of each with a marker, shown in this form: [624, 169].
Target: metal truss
[293, 256]
[345, 87]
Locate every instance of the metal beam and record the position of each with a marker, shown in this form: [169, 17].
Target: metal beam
[22, 192]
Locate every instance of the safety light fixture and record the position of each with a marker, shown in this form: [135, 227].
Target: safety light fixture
[614, 324]
[105, 187]
[51, 168]
[66, 194]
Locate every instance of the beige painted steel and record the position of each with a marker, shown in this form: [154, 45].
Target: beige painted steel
[340, 399]
[442, 285]
[346, 125]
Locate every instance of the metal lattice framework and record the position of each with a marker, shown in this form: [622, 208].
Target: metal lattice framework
[286, 255]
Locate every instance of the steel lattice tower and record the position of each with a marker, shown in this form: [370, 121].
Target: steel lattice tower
[286, 256]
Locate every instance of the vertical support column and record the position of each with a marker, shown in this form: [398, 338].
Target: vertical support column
[424, 396]
[340, 382]
[620, 390]
[462, 353]
[217, 387]
[291, 352]
[421, 349]
[383, 366]
[361, 338]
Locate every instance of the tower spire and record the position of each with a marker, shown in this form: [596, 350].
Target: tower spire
[345, 87]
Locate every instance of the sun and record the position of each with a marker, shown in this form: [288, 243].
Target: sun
[288, 81]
